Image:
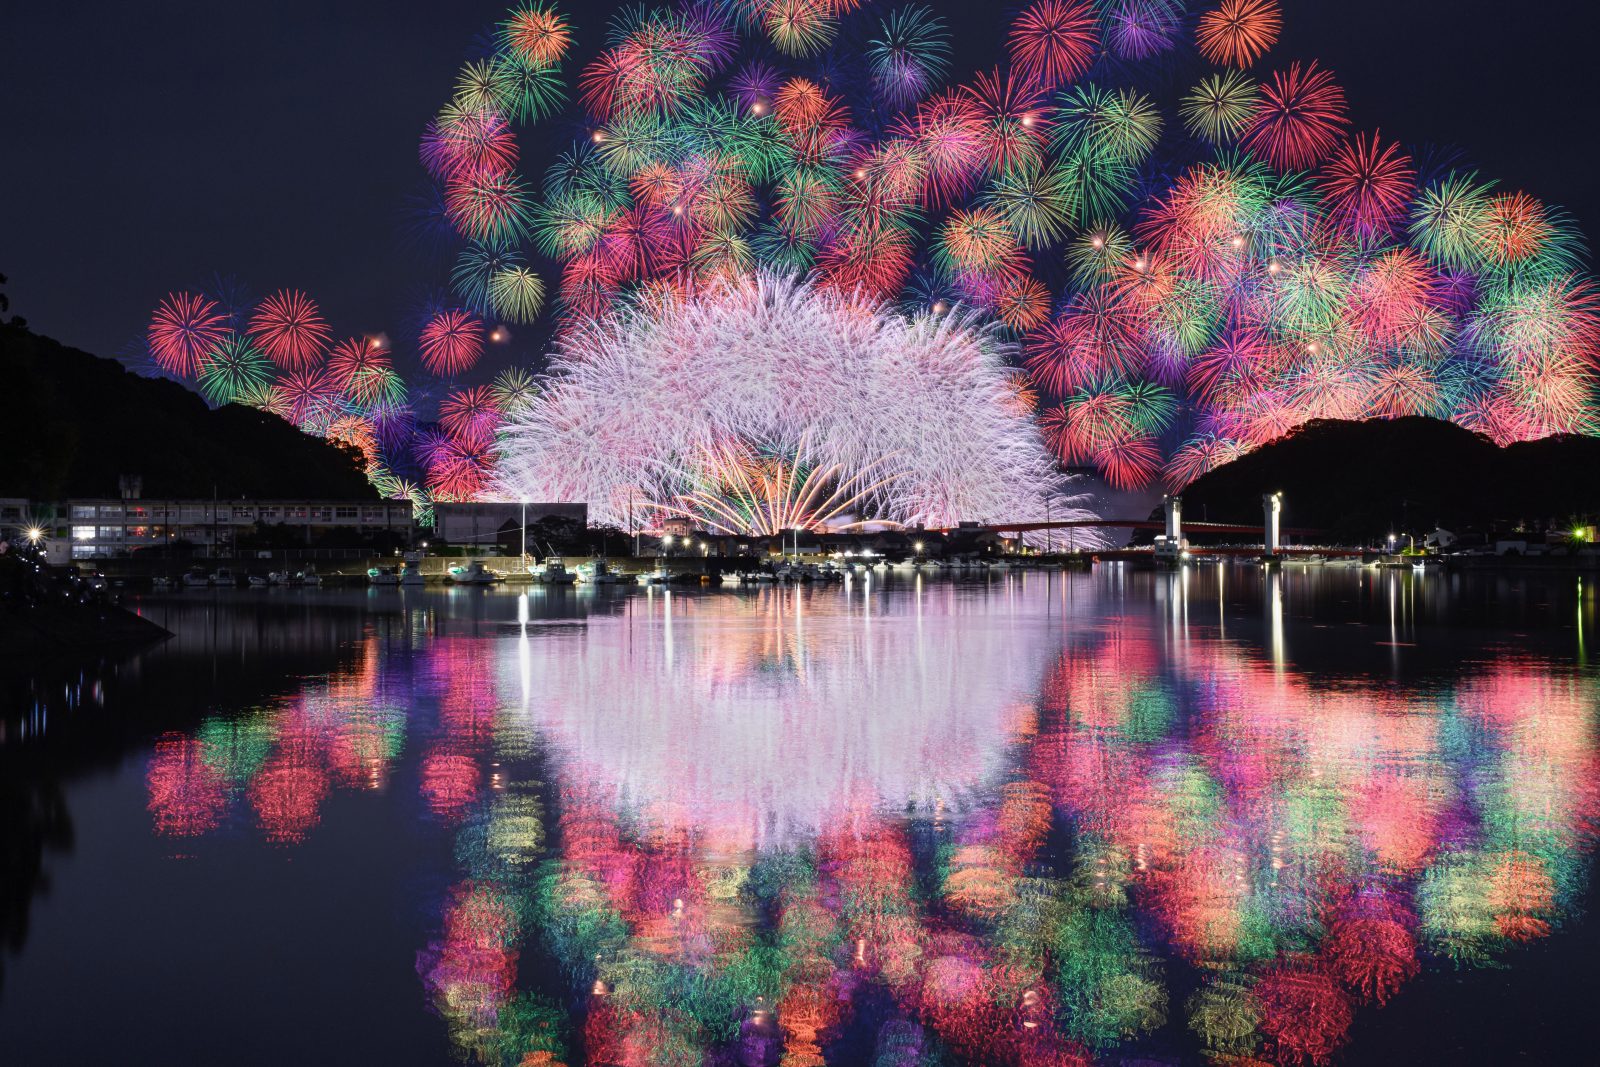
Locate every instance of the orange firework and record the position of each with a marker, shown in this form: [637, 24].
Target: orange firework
[1239, 31]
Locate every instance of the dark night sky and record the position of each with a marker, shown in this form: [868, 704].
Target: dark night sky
[149, 145]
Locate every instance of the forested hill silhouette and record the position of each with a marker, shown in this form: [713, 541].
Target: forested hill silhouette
[76, 422]
[1359, 480]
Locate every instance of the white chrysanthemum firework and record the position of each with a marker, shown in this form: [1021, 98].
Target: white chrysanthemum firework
[635, 403]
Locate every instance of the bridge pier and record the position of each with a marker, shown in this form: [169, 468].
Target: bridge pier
[1170, 545]
[1272, 508]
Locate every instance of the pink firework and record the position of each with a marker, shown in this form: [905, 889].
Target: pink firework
[1299, 118]
[1368, 185]
[290, 329]
[951, 133]
[1054, 41]
[183, 329]
[451, 342]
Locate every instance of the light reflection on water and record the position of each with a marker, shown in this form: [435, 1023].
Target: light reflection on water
[1209, 816]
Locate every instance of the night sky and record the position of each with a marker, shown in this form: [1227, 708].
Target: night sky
[151, 145]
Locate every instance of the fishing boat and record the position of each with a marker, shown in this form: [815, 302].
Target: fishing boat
[474, 573]
[278, 578]
[161, 583]
[553, 572]
[224, 577]
[411, 573]
[195, 578]
[389, 576]
[598, 572]
[256, 581]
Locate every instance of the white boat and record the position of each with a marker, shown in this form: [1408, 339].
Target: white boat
[256, 581]
[310, 578]
[598, 572]
[553, 572]
[411, 573]
[474, 573]
[659, 576]
[383, 576]
[223, 576]
[278, 578]
[195, 578]
[161, 583]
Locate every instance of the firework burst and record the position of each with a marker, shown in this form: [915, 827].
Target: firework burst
[921, 410]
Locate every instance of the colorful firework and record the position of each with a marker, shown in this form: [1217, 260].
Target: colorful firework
[814, 137]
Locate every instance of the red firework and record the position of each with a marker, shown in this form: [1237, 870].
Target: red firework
[1304, 1012]
[310, 397]
[1239, 32]
[360, 369]
[873, 259]
[813, 120]
[449, 783]
[451, 342]
[1054, 41]
[487, 205]
[290, 329]
[187, 795]
[468, 142]
[183, 329]
[1235, 367]
[459, 469]
[1299, 118]
[1023, 304]
[1131, 463]
[1092, 423]
[1015, 118]
[1368, 185]
[470, 414]
[1094, 336]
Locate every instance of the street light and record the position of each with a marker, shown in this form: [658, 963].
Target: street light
[666, 544]
[34, 533]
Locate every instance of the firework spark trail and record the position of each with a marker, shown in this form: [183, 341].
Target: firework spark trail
[927, 404]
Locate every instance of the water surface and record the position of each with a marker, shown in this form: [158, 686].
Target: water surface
[1118, 818]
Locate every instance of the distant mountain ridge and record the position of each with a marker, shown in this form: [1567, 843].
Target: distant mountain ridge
[76, 422]
[1356, 480]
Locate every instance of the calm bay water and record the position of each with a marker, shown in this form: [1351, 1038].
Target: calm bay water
[1115, 818]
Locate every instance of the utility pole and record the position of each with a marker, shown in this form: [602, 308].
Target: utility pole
[1049, 539]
